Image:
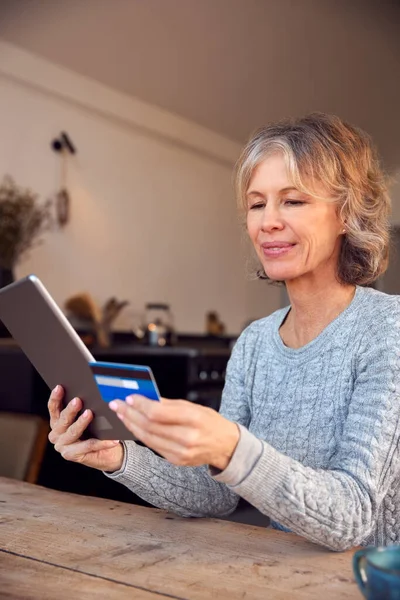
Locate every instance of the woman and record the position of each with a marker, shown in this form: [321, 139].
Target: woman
[309, 426]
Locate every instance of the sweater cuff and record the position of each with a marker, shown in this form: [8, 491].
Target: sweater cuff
[272, 468]
[135, 467]
[246, 455]
[121, 471]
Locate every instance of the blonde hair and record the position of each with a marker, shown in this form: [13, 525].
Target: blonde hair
[323, 148]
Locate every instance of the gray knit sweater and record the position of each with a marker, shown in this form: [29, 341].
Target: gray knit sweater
[319, 449]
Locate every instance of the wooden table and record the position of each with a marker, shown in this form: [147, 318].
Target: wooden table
[55, 545]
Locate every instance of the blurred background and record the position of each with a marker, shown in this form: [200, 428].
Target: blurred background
[157, 98]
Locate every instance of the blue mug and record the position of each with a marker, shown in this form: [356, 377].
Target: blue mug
[377, 572]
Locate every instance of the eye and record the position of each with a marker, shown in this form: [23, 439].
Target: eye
[256, 206]
[294, 202]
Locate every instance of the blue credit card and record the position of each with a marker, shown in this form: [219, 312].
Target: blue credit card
[117, 381]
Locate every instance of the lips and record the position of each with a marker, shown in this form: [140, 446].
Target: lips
[276, 249]
[268, 245]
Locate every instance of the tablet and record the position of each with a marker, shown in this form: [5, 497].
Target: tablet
[54, 348]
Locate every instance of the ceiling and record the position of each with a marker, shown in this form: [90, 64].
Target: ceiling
[230, 65]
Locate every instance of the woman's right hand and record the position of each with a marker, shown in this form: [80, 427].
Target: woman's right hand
[66, 432]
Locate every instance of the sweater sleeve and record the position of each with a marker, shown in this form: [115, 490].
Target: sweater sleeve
[187, 491]
[337, 507]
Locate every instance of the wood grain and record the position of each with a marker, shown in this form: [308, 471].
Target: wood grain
[27, 579]
[165, 554]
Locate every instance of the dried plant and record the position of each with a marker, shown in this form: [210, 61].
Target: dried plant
[23, 220]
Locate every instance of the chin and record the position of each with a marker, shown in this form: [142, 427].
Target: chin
[280, 274]
[282, 269]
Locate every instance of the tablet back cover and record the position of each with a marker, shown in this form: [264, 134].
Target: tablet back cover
[53, 347]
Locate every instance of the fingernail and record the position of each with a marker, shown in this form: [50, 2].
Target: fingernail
[130, 400]
[57, 389]
[86, 413]
[75, 402]
[113, 405]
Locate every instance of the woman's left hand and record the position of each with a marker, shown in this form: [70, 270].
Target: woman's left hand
[184, 433]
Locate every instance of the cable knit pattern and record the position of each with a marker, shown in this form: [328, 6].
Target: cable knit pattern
[319, 451]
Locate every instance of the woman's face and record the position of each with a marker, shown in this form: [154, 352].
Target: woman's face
[294, 235]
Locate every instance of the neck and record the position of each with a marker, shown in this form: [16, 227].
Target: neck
[314, 304]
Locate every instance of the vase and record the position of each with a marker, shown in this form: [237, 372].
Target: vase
[6, 276]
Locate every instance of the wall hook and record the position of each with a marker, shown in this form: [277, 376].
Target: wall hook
[63, 143]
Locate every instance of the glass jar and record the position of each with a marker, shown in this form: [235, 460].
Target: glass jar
[159, 325]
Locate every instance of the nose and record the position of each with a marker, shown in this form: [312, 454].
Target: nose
[271, 218]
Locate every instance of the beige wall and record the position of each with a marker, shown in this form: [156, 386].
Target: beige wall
[395, 196]
[152, 216]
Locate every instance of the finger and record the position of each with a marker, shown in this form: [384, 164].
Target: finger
[139, 423]
[74, 452]
[167, 411]
[75, 431]
[54, 404]
[178, 444]
[160, 436]
[67, 416]
[123, 410]
[173, 451]
[165, 446]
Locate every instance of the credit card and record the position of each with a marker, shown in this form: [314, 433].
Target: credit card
[117, 381]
